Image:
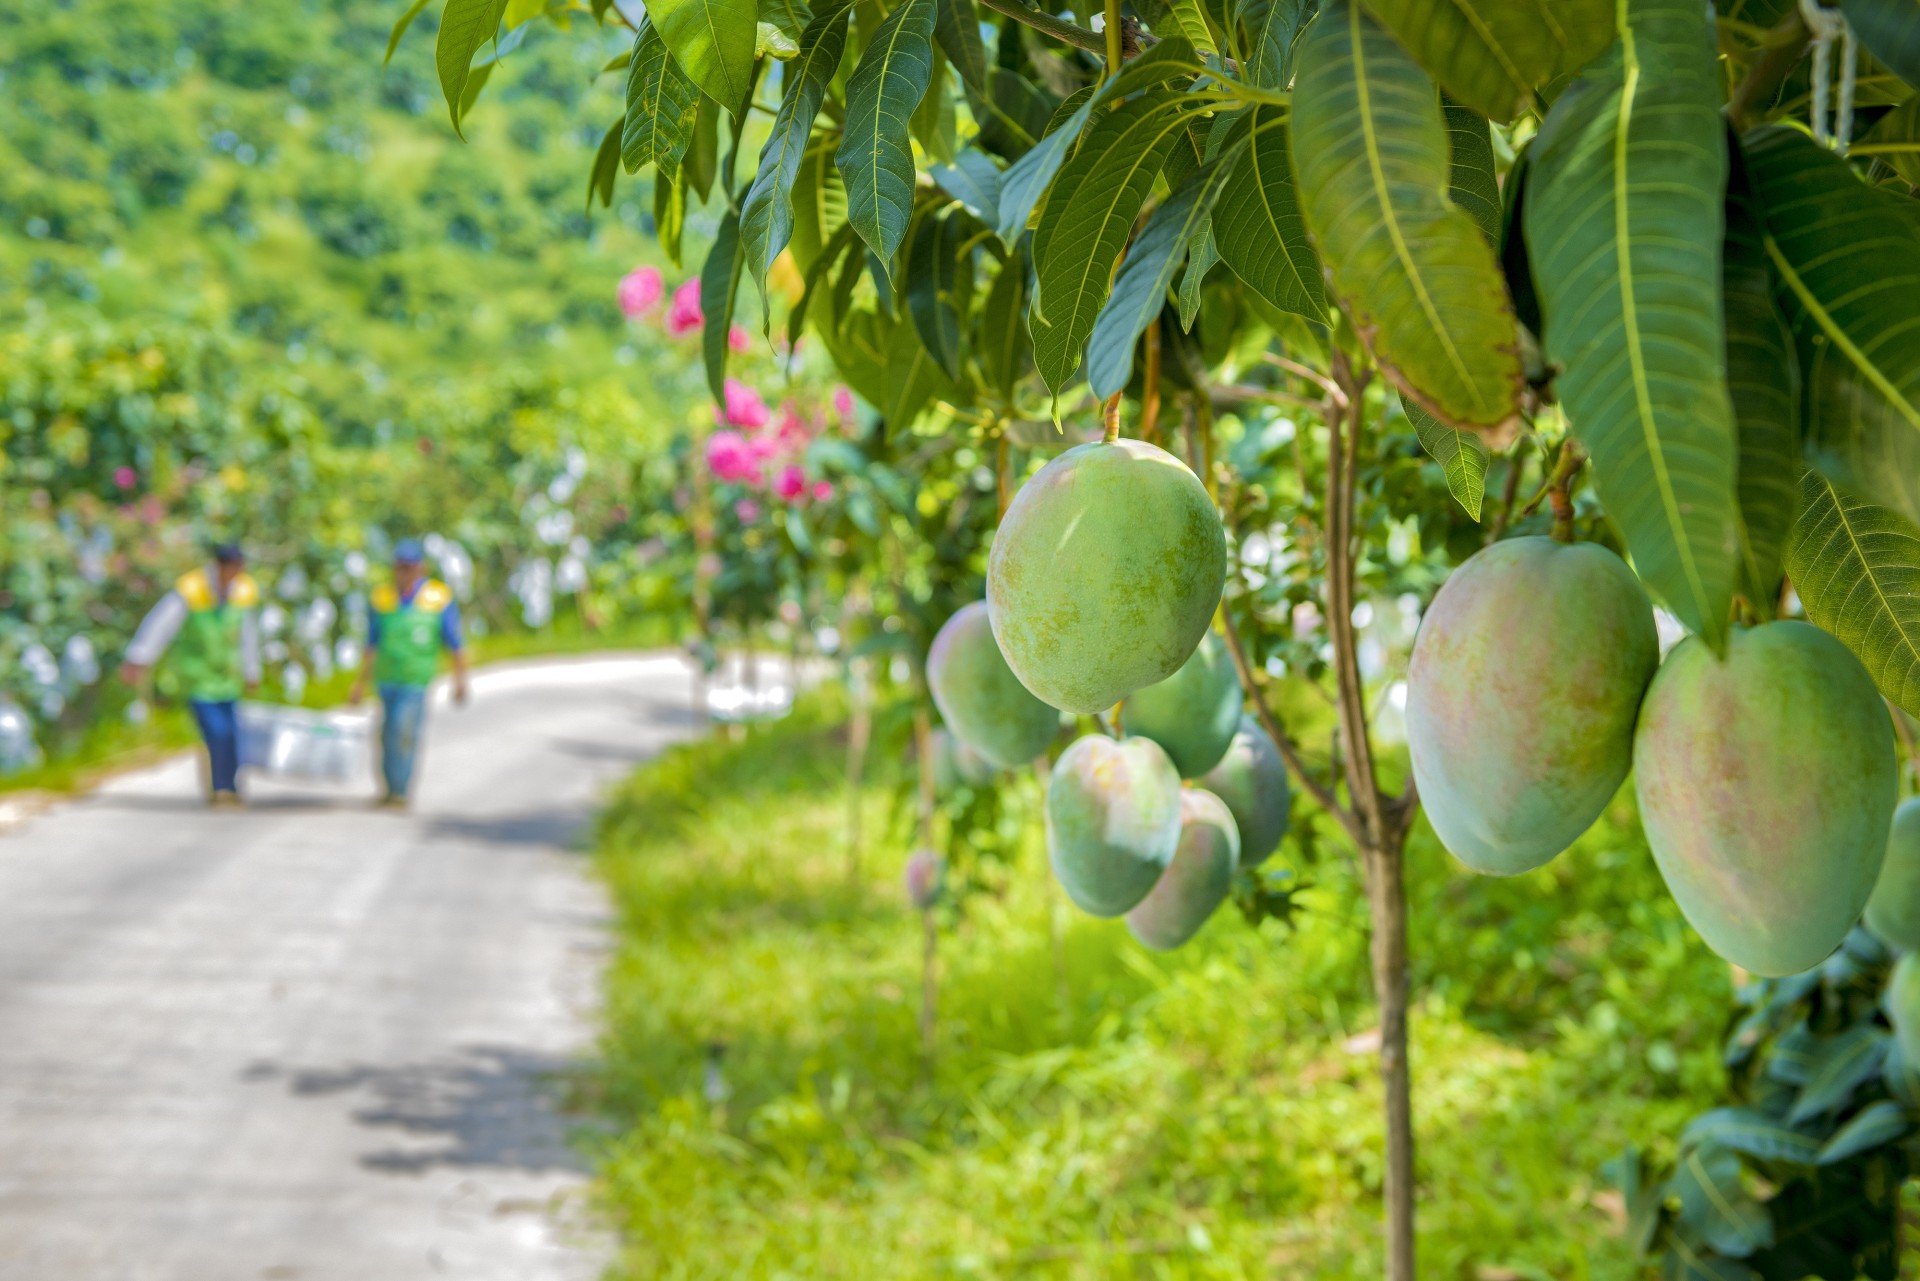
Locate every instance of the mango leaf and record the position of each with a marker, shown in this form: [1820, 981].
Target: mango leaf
[1470, 176]
[933, 287]
[1140, 290]
[1753, 1132]
[1258, 228]
[1891, 31]
[1089, 215]
[701, 163]
[1628, 1171]
[1461, 455]
[1272, 27]
[1842, 1063]
[933, 124]
[1623, 218]
[770, 40]
[400, 28]
[1513, 242]
[719, 282]
[1203, 251]
[713, 41]
[661, 104]
[1412, 270]
[1493, 55]
[1192, 20]
[1871, 1126]
[819, 202]
[606, 167]
[1896, 141]
[974, 181]
[465, 25]
[1012, 111]
[1763, 382]
[1857, 569]
[956, 26]
[669, 213]
[1712, 1203]
[903, 375]
[766, 215]
[1849, 261]
[1001, 339]
[875, 157]
[791, 17]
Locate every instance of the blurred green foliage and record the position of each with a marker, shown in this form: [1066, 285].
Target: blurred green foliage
[1096, 1110]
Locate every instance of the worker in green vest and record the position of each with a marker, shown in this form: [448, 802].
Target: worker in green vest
[412, 620]
[211, 622]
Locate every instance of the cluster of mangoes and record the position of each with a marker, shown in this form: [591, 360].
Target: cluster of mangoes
[1766, 776]
[1101, 587]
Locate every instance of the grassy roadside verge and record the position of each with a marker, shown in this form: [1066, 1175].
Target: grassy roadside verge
[1211, 1113]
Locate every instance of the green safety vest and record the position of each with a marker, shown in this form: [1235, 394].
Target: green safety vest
[206, 654]
[409, 650]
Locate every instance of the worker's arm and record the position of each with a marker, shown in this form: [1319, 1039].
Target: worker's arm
[456, 644]
[358, 693]
[155, 633]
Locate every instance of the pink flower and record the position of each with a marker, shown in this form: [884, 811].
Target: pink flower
[843, 402]
[640, 291]
[744, 408]
[764, 447]
[731, 458]
[739, 339]
[792, 429]
[747, 510]
[685, 316]
[125, 477]
[791, 483]
[822, 491]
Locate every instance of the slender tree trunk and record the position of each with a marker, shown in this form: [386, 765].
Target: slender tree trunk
[929, 985]
[859, 732]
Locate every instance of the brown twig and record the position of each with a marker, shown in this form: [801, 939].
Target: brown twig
[1048, 25]
[1150, 387]
[1559, 488]
[1516, 463]
[1307, 372]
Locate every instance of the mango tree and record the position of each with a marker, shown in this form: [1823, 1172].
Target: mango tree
[1666, 253]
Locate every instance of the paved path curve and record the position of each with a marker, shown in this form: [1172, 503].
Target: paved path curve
[311, 1041]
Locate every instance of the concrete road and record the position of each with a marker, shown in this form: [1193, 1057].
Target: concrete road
[309, 1040]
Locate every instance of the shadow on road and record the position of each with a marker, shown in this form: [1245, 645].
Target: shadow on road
[197, 805]
[497, 1106]
[560, 827]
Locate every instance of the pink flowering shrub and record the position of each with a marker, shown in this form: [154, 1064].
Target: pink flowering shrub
[744, 408]
[791, 483]
[125, 477]
[739, 339]
[684, 315]
[731, 458]
[640, 291]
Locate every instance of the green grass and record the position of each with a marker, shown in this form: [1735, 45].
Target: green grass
[1102, 1111]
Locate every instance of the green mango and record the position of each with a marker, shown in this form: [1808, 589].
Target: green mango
[1252, 780]
[1901, 1001]
[1194, 713]
[1196, 881]
[1893, 910]
[1105, 574]
[980, 698]
[1767, 783]
[955, 764]
[1113, 821]
[1522, 689]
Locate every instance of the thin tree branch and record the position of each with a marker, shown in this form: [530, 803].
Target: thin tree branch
[1046, 24]
[1307, 372]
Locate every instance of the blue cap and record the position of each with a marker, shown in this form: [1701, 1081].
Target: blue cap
[408, 551]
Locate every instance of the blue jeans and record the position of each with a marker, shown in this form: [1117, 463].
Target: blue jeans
[403, 714]
[221, 732]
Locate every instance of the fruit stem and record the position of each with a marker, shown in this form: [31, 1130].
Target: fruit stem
[1559, 489]
[1112, 419]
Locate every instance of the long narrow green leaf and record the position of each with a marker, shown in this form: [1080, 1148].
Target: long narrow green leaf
[662, 102]
[1891, 31]
[1470, 176]
[1461, 454]
[400, 28]
[1192, 20]
[1623, 223]
[465, 25]
[1753, 1132]
[1494, 54]
[790, 17]
[973, 180]
[719, 283]
[1414, 273]
[766, 215]
[1895, 140]
[1857, 570]
[1140, 290]
[956, 26]
[1843, 1062]
[933, 287]
[713, 41]
[669, 213]
[1849, 261]
[606, 167]
[875, 157]
[1763, 381]
[1713, 1204]
[1089, 215]
[1272, 26]
[1001, 336]
[1258, 228]
[819, 202]
[1871, 1126]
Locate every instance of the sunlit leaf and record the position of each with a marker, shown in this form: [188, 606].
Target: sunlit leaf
[606, 167]
[1140, 289]
[719, 283]
[713, 41]
[1849, 261]
[1412, 270]
[1462, 456]
[1272, 26]
[974, 181]
[465, 25]
[400, 27]
[1857, 570]
[661, 105]
[766, 214]
[1192, 20]
[819, 202]
[1623, 224]
[1494, 55]
[933, 288]
[1470, 175]
[1258, 228]
[1896, 141]
[956, 26]
[875, 157]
